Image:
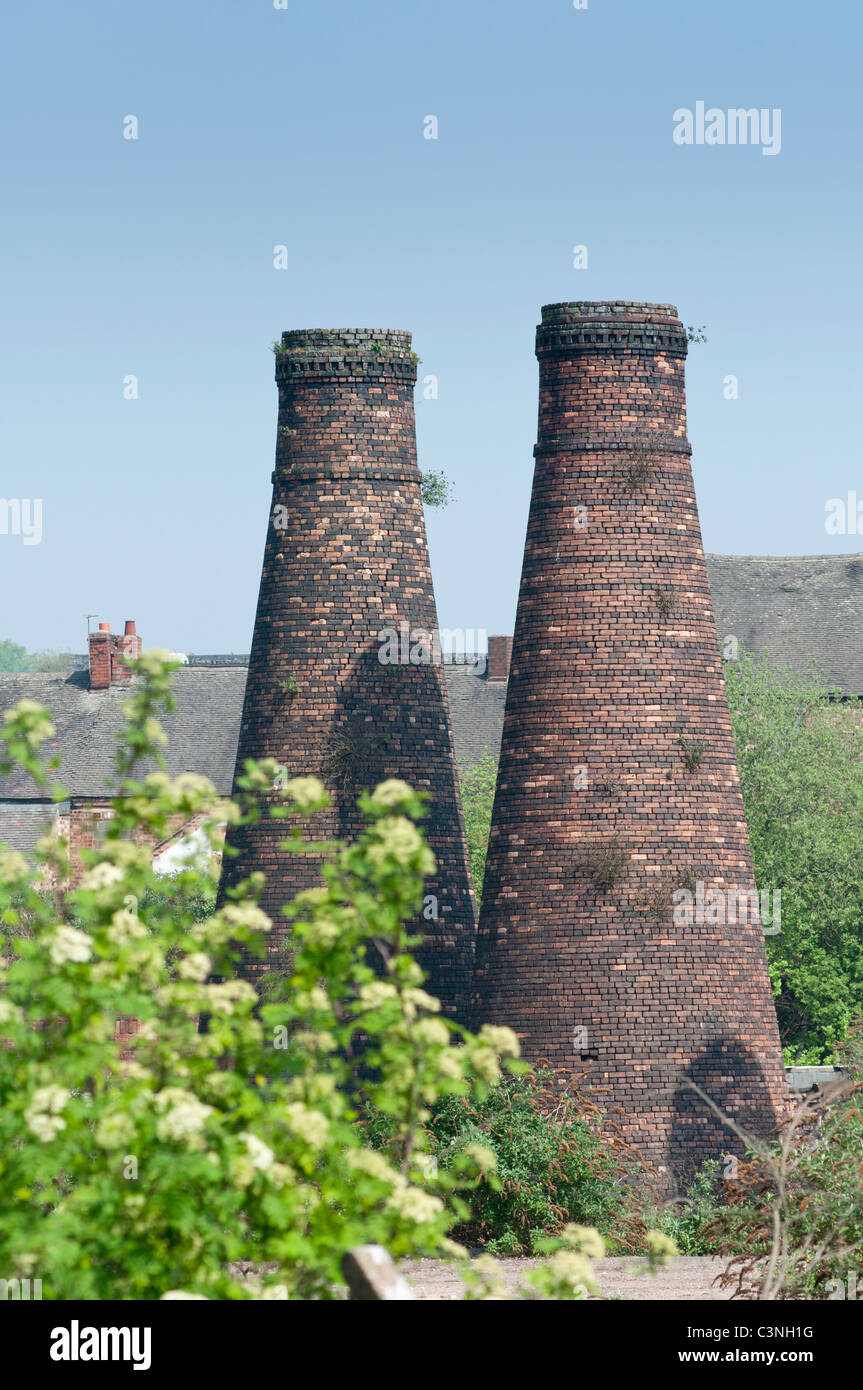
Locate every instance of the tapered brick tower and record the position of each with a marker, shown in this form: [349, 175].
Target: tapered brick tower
[346, 560]
[618, 786]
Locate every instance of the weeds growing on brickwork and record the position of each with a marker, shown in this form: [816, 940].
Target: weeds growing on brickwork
[655, 901]
[609, 787]
[641, 468]
[606, 862]
[665, 600]
[693, 752]
[351, 759]
[436, 489]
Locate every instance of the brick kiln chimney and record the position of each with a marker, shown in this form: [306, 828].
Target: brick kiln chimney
[345, 565]
[109, 653]
[618, 785]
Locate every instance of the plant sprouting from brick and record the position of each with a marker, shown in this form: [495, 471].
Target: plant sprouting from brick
[351, 759]
[640, 470]
[693, 752]
[606, 861]
[696, 335]
[415, 358]
[689, 875]
[665, 600]
[610, 787]
[289, 686]
[656, 899]
[436, 489]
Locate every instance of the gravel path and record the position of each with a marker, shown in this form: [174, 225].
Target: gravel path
[687, 1277]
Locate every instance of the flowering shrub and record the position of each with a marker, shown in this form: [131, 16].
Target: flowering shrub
[235, 1144]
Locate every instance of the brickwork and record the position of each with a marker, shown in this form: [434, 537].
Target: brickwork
[346, 558]
[499, 656]
[618, 785]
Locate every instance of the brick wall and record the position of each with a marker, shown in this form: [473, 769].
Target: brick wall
[617, 782]
[345, 558]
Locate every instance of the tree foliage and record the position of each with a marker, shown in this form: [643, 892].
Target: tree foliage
[16, 658]
[556, 1161]
[12, 656]
[477, 782]
[800, 756]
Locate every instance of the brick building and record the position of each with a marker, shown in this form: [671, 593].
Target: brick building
[86, 708]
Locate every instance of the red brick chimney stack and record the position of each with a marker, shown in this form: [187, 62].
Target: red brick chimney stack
[499, 656]
[109, 653]
[618, 785]
[101, 647]
[128, 647]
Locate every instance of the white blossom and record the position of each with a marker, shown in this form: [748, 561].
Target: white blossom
[261, 1156]
[310, 1125]
[502, 1040]
[307, 793]
[392, 793]
[68, 943]
[196, 966]
[43, 1113]
[102, 875]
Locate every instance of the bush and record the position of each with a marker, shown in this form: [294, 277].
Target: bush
[791, 1216]
[237, 1143]
[436, 490]
[688, 1222]
[554, 1164]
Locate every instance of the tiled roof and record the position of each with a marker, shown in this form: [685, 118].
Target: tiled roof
[22, 823]
[476, 713]
[796, 608]
[202, 731]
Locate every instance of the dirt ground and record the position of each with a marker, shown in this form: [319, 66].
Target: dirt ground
[687, 1277]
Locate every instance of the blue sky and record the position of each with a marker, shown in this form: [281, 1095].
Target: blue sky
[304, 127]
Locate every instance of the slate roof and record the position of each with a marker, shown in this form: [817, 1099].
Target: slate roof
[476, 713]
[796, 608]
[22, 823]
[202, 731]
